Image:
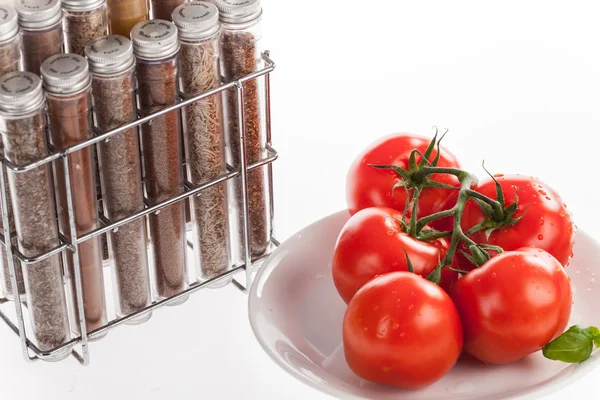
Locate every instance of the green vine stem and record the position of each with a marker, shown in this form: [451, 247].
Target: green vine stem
[418, 177]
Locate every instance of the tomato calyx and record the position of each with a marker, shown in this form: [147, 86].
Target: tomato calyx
[496, 217]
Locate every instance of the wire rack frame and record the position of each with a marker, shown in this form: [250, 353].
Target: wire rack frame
[71, 243]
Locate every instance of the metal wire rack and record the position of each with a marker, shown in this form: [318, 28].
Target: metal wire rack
[79, 346]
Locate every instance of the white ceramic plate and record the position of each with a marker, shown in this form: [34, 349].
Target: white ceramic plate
[296, 314]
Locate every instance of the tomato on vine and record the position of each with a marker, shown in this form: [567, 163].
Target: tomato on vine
[373, 242]
[543, 219]
[401, 330]
[513, 305]
[367, 186]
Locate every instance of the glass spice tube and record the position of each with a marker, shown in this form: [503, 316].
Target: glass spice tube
[10, 41]
[125, 14]
[41, 31]
[199, 31]
[83, 21]
[67, 85]
[240, 56]
[156, 47]
[23, 128]
[162, 9]
[10, 55]
[112, 65]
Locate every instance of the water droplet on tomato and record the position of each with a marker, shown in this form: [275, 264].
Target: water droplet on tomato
[542, 192]
[562, 214]
[542, 221]
[411, 307]
[390, 232]
[376, 308]
[493, 274]
[499, 175]
[396, 325]
[593, 280]
[393, 292]
[548, 198]
[366, 329]
[478, 280]
[385, 369]
[540, 237]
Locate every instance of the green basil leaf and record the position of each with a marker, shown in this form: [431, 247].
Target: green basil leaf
[573, 346]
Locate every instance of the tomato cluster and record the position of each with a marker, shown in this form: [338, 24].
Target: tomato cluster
[432, 264]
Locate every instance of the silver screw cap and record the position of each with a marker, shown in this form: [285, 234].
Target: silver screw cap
[65, 74]
[20, 93]
[196, 20]
[9, 23]
[238, 11]
[38, 14]
[155, 39]
[108, 55]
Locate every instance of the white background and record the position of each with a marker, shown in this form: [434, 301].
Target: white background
[516, 82]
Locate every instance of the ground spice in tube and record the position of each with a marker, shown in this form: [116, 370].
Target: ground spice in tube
[41, 30]
[112, 65]
[10, 55]
[83, 21]
[23, 128]
[68, 92]
[125, 14]
[162, 9]
[10, 43]
[156, 48]
[240, 56]
[199, 31]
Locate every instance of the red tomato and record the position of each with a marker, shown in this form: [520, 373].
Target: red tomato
[401, 330]
[513, 305]
[372, 243]
[546, 223]
[367, 186]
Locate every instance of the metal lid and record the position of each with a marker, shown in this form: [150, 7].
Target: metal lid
[82, 5]
[20, 93]
[196, 20]
[65, 73]
[38, 14]
[238, 11]
[9, 25]
[155, 39]
[109, 55]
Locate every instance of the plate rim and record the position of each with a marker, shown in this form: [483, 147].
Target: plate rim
[578, 371]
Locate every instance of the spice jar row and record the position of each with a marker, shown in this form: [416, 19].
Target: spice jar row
[202, 46]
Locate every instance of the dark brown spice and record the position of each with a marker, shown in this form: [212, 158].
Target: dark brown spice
[38, 45]
[122, 188]
[33, 204]
[82, 26]
[162, 9]
[239, 59]
[161, 140]
[205, 154]
[70, 123]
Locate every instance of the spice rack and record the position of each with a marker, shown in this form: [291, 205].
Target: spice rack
[79, 346]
